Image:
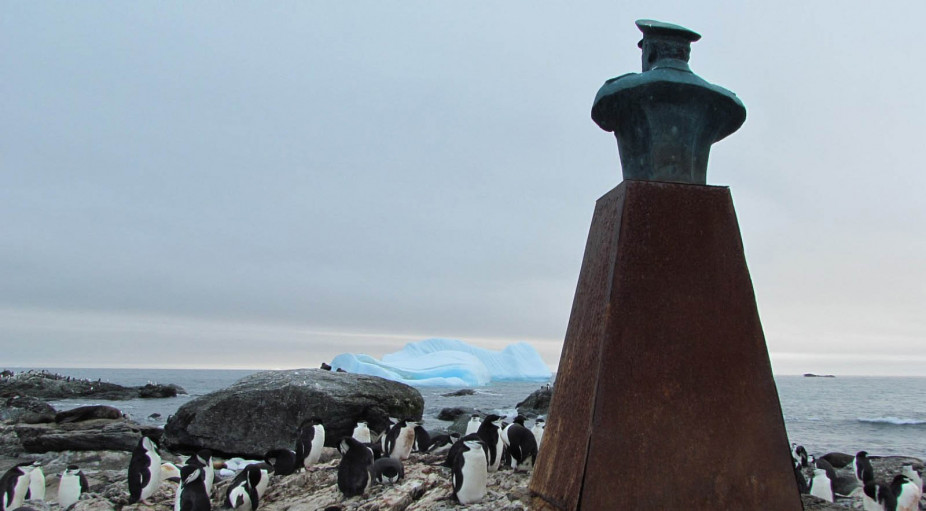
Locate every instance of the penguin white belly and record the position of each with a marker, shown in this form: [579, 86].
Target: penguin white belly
[18, 496]
[318, 443]
[538, 435]
[37, 484]
[209, 476]
[472, 427]
[240, 499]
[474, 475]
[403, 444]
[494, 463]
[909, 497]
[821, 487]
[154, 468]
[504, 434]
[68, 490]
[362, 434]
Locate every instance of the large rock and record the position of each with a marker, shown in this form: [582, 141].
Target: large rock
[538, 403]
[263, 411]
[26, 409]
[88, 435]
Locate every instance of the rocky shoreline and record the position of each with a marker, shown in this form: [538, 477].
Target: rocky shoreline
[46, 385]
[99, 439]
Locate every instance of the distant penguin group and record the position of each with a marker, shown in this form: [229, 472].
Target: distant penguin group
[858, 481]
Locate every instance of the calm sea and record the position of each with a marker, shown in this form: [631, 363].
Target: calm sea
[885, 416]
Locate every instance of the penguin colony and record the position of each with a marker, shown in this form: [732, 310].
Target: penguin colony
[367, 458]
[839, 476]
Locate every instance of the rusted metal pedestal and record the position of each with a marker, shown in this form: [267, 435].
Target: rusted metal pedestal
[664, 395]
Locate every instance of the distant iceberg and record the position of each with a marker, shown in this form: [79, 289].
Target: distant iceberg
[449, 362]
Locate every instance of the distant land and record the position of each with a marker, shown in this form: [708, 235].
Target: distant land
[811, 375]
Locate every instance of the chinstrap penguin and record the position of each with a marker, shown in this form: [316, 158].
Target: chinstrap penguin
[441, 443]
[191, 495]
[242, 494]
[361, 433]
[489, 433]
[878, 497]
[354, 469]
[861, 467]
[14, 485]
[422, 439]
[470, 472]
[36, 482]
[907, 493]
[203, 459]
[537, 430]
[473, 425]
[522, 447]
[310, 440]
[144, 471]
[71, 485]
[400, 440]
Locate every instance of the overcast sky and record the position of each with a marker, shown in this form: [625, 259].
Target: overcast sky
[251, 185]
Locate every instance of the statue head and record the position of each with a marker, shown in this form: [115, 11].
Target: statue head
[665, 44]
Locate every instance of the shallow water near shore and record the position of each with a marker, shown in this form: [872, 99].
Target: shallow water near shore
[883, 415]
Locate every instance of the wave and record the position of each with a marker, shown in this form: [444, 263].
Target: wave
[897, 421]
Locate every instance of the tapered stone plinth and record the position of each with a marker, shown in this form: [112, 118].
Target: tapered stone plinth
[664, 395]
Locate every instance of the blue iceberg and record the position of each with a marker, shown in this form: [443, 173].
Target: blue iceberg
[449, 362]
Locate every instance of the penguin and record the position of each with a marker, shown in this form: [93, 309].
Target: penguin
[458, 447]
[203, 460]
[473, 425]
[361, 433]
[489, 433]
[470, 472]
[400, 440]
[907, 493]
[354, 469]
[861, 467]
[387, 470]
[14, 485]
[442, 443]
[799, 455]
[522, 447]
[504, 430]
[191, 495]
[913, 475]
[821, 486]
[71, 485]
[878, 497]
[144, 471]
[36, 483]
[310, 440]
[537, 430]
[262, 471]
[422, 439]
[170, 472]
[242, 494]
[802, 485]
[283, 461]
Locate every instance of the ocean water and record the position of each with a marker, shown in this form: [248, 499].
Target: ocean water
[884, 416]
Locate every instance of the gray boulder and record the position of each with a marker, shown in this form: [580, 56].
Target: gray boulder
[263, 411]
[88, 435]
[538, 403]
[26, 409]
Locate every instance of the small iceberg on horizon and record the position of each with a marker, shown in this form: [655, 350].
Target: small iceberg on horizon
[449, 363]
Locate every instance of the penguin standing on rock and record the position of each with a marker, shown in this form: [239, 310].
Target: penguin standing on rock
[489, 433]
[354, 469]
[310, 440]
[400, 440]
[522, 447]
[14, 485]
[72, 484]
[191, 495]
[203, 459]
[537, 430]
[242, 494]
[878, 497]
[422, 439]
[470, 472]
[907, 493]
[861, 467]
[144, 471]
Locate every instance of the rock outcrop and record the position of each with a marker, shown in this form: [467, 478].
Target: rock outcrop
[538, 403]
[87, 435]
[27, 409]
[45, 385]
[264, 410]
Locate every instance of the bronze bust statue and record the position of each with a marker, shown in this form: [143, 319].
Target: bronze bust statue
[666, 118]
